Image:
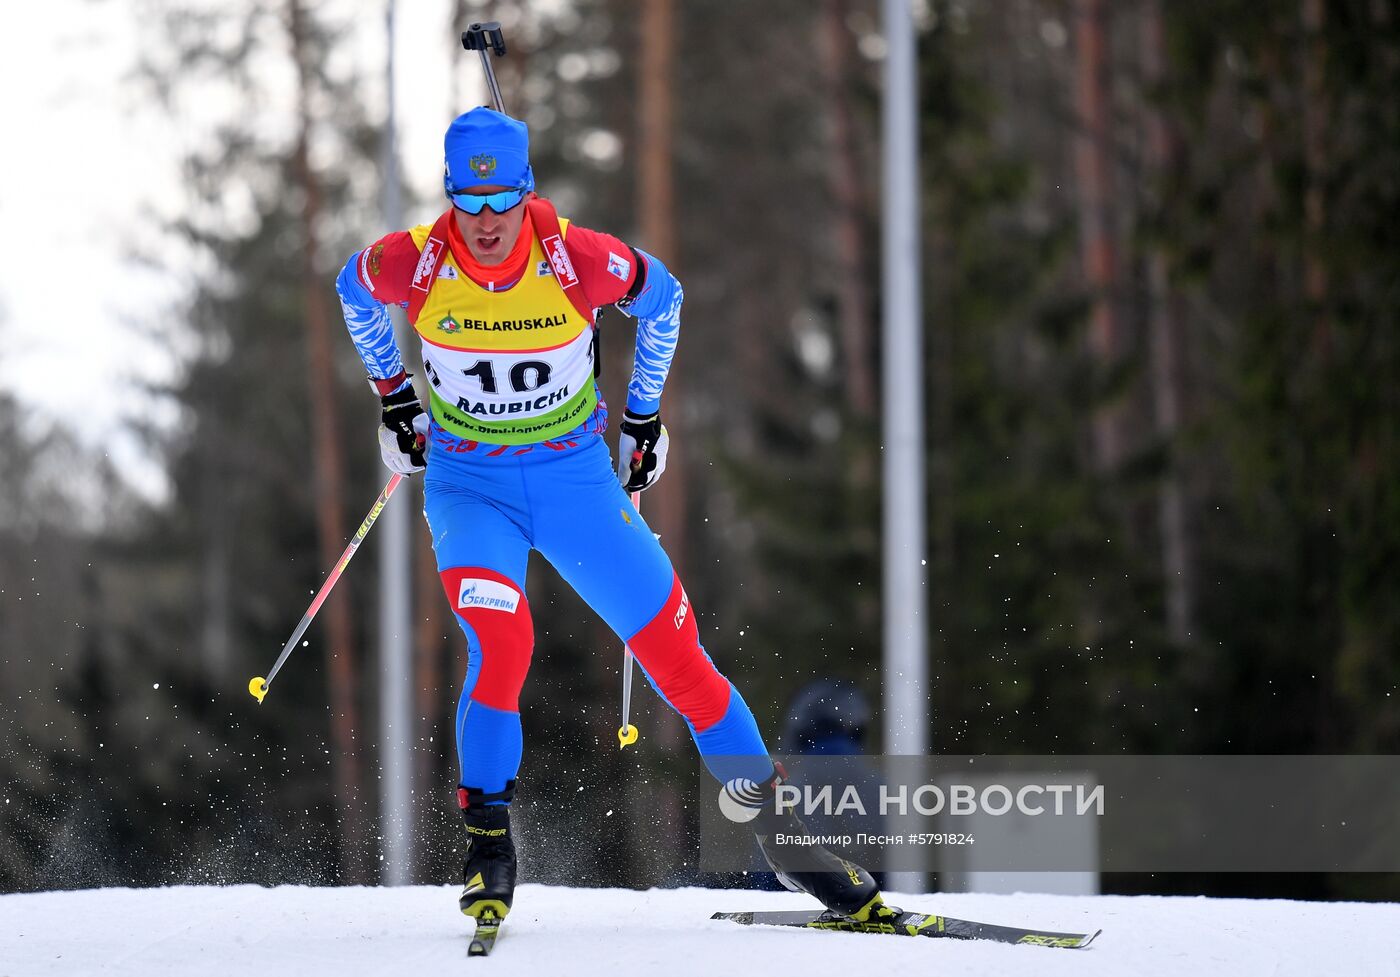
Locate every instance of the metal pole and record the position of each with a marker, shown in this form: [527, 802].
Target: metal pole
[905, 673]
[258, 686]
[627, 733]
[496, 102]
[395, 623]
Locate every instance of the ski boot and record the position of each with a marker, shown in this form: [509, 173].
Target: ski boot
[840, 885]
[488, 871]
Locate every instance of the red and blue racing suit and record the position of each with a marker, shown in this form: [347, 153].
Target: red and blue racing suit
[516, 461]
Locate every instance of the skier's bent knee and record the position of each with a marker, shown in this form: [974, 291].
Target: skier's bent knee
[497, 612]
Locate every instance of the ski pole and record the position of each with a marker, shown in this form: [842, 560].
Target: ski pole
[484, 38]
[257, 687]
[627, 733]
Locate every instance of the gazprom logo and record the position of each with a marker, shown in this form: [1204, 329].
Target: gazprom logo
[489, 595]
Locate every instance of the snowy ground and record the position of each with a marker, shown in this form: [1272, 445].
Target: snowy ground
[210, 931]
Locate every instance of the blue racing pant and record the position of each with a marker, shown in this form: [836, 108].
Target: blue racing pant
[487, 507]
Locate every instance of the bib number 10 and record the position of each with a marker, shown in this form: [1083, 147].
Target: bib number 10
[525, 376]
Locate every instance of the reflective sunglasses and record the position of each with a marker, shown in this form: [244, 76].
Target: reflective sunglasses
[499, 202]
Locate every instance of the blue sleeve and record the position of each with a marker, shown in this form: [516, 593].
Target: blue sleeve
[658, 312]
[371, 329]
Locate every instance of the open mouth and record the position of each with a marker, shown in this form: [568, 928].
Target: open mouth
[488, 243]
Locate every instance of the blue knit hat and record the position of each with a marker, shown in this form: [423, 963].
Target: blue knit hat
[486, 148]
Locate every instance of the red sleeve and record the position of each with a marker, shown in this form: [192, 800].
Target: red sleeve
[386, 267]
[606, 267]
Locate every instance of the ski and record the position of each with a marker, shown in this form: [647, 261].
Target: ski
[913, 924]
[488, 927]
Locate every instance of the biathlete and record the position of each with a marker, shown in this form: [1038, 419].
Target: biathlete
[502, 291]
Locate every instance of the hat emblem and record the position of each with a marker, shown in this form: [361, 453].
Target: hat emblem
[483, 165]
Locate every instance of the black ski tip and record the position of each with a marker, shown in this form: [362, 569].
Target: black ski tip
[482, 945]
[1080, 943]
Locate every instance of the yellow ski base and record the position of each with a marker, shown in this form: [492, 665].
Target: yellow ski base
[486, 907]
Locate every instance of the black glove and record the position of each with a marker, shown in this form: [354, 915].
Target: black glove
[403, 430]
[641, 451]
